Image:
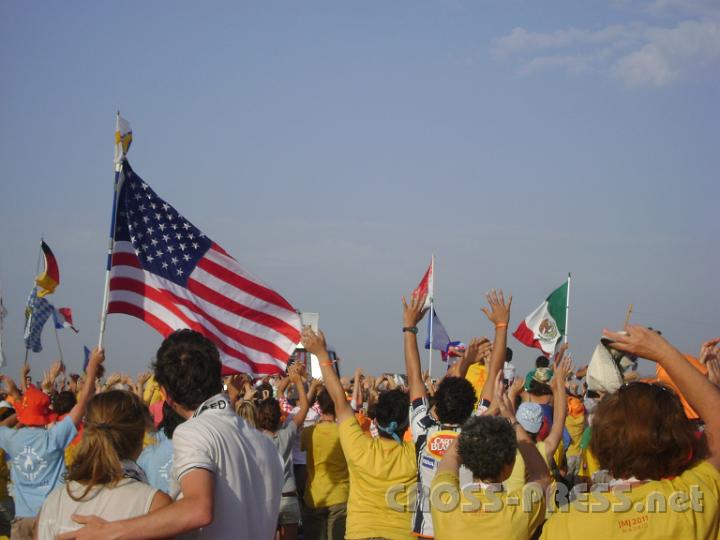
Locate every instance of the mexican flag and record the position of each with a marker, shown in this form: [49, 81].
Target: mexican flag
[544, 327]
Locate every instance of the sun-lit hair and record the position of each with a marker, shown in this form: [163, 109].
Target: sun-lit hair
[114, 429]
[642, 431]
[247, 411]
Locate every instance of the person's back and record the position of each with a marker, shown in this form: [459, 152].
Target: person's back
[247, 469]
[58, 509]
[36, 455]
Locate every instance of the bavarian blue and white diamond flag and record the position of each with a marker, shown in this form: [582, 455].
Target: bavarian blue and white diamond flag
[37, 312]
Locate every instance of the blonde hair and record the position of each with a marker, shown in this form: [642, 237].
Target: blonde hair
[114, 429]
[247, 411]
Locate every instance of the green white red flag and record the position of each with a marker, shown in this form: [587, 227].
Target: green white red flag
[544, 327]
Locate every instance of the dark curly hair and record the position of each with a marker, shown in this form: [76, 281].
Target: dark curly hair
[63, 402]
[454, 400]
[268, 415]
[393, 406]
[170, 420]
[486, 445]
[188, 368]
[641, 430]
[327, 406]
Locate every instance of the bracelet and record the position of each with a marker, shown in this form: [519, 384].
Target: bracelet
[501, 325]
[413, 329]
[327, 364]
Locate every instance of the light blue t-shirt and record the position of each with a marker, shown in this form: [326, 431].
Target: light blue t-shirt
[157, 460]
[37, 462]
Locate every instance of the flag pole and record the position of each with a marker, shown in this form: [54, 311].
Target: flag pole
[567, 308]
[629, 314]
[111, 240]
[430, 354]
[57, 338]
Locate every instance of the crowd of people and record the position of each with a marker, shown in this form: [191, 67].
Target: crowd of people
[484, 451]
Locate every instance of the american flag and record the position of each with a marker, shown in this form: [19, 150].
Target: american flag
[166, 272]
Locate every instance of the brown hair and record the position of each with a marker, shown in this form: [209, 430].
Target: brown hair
[247, 411]
[114, 429]
[268, 415]
[641, 431]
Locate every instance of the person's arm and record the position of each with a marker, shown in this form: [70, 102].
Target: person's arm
[193, 511]
[700, 393]
[24, 372]
[713, 367]
[11, 387]
[499, 315]
[315, 385]
[314, 343]
[412, 314]
[282, 387]
[303, 402]
[357, 390]
[97, 357]
[552, 441]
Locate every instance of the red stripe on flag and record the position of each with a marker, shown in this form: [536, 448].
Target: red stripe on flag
[228, 304]
[165, 299]
[125, 259]
[131, 309]
[243, 283]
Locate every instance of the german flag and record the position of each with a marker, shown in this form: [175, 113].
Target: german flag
[50, 278]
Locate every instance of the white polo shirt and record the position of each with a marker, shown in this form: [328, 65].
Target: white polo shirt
[247, 467]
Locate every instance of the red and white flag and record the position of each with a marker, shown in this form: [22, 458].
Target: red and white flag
[62, 317]
[165, 271]
[426, 284]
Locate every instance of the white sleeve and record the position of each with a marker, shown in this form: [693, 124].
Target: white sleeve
[191, 451]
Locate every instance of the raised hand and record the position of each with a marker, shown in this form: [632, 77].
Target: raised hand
[714, 371]
[710, 350]
[414, 311]
[560, 375]
[313, 342]
[477, 349]
[499, 312]
[640, 341]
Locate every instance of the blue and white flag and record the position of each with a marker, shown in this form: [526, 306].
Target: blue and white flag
[440, 337]
[37, 312]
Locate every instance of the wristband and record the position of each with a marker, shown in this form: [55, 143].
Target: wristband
[412, 329]
[501, 325]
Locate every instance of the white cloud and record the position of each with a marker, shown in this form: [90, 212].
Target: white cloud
[671, 53]
[636, 53]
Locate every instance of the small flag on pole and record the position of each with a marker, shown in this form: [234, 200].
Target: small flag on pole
[544, 327]
[50, 278]
[62, 317]
[86, 353]
[123, 138]
[426, 285]
[440, 337]
[37, 312]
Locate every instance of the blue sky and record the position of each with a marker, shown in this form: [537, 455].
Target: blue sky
[331, 147]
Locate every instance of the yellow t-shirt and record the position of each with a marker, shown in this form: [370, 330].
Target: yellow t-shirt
[575, 426]
[382, 473]
[589, 465]
[477, 375]
[328, 482]
[503, 515]
[611, 515]
[517, 478]
[151, 394]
